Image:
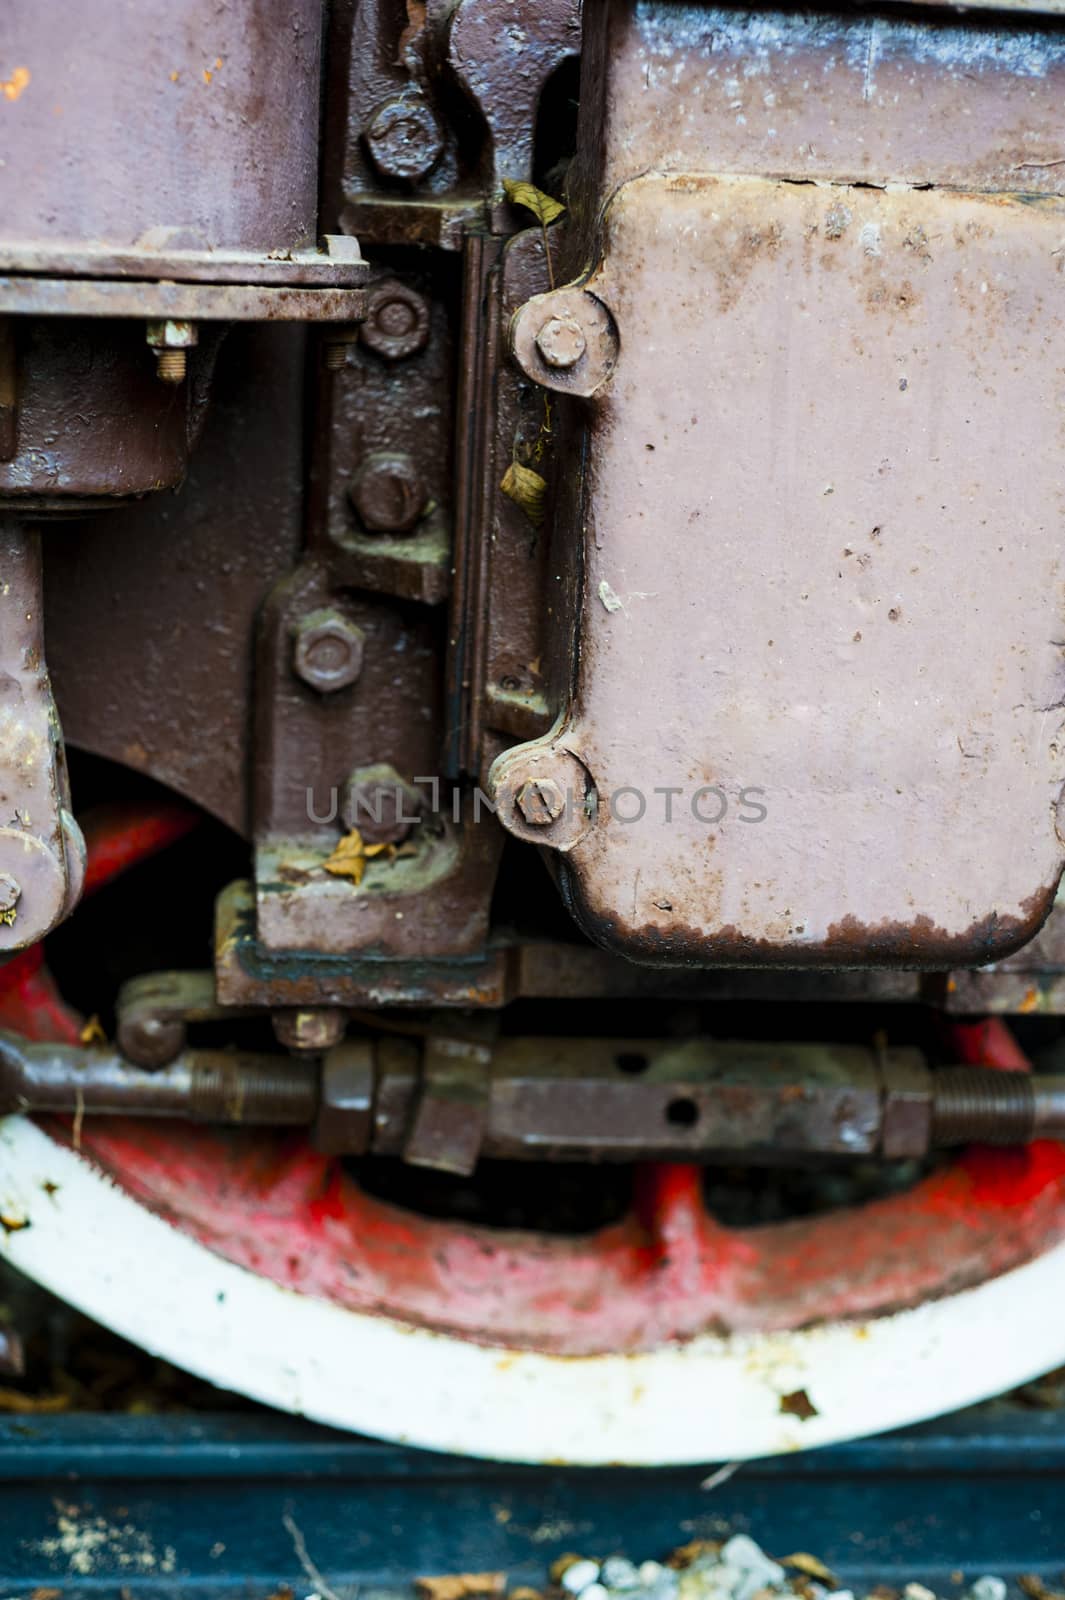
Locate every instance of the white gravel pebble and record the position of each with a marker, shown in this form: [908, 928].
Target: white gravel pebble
[580, 1576]
[618, 1573]
[988, 1589]
[651, 1572]
[752, 1568]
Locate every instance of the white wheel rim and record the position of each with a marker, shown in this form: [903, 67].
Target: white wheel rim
[711, 1399]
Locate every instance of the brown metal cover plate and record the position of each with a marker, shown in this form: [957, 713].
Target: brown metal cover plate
[823, 560]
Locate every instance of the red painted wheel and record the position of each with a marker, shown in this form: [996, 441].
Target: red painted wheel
[666, 1336]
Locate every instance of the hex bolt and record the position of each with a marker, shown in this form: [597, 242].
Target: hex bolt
[328, 650]
[561, 342]
[541, 802]
[404, 138]
[388, 492]
[397, 321]
[171, 340]
[378, 802]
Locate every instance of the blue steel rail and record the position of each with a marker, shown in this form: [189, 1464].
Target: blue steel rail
[205, 1505]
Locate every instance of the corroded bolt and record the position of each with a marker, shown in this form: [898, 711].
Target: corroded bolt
[171, 339]
[561, 341]
[328, 650]
[541, 802]
[10, 892]
[378, 802]
[310, 1027]
[171, 365]
[388, 492]
[397, 320]
[404, 137]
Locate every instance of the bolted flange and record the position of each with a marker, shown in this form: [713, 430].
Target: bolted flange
[543, 793]
[565, 340]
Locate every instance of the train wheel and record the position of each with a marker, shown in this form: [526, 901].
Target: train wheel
[664, 1337]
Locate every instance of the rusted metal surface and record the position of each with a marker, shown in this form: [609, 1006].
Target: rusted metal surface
[765, 553]
[338, 265]
[208, 302]
[177, 125]
[841, 98]
[94, 425]
[225, 1086]
[126, 674]
[249, 973]
[42, 851]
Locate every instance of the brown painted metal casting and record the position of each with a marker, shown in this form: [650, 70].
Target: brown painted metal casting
[702, 543]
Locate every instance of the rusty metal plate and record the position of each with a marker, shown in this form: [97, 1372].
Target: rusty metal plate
[823, 563]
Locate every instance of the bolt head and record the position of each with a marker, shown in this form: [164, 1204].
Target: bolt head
[541, 802]
[378, 802]
[328, 651]
[388, 492]
[397, 321]
[561, 342]
[404, 137]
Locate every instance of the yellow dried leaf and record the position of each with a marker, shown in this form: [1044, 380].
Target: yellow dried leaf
[809, 1564]
[461, 1585]
[92, 1032]
[348, 860]
[543, 207]
[15, 1400]
[527, 489]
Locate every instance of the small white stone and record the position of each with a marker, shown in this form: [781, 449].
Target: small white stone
[650, 1572]
[841, 1594]
[753, 1568]
[580, 1576]
[595, 1591]
[618, 1573]
[917, 1591]
[988, 1588]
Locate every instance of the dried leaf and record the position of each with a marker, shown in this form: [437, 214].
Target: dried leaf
[92, 1032]
[1036, 1589]
[694, 1550]
[809, 1564]
[348, 860]
[543, 207]
[461, 1585]
[527, 489]
[12, 1224]
[25, 1404]
[45, 1594]
[798, 1405]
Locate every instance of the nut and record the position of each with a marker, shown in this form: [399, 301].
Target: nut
[561, 341]
[328, 650]
[310, 1027]
[404, 137]
[380, 804]
[541, 802]
[397, 321]
[388, 492]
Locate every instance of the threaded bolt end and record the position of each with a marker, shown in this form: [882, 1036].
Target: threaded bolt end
[334, 356]
[229, 1089]
[975, 1105]
[171, 365]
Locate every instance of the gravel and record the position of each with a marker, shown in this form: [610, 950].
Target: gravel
[736, 1570]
